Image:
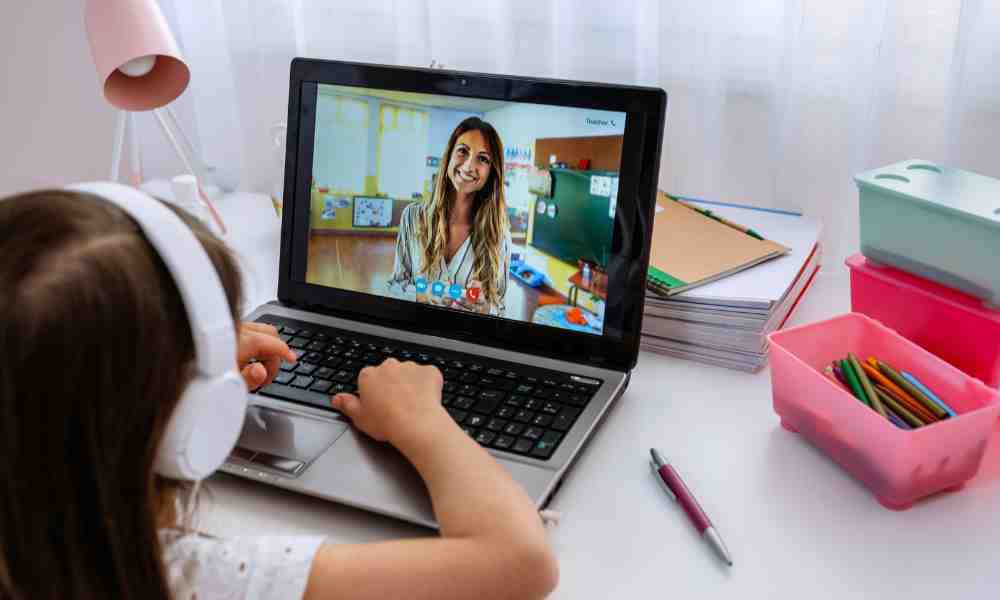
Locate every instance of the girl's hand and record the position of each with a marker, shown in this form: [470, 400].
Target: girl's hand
[399, 403]
[259, 353]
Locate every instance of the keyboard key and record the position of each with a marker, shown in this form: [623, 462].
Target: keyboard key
[551, 408]
[533, 433]
[576, 400]
[469, 378]
[302, 381]
[492, 395]
[523, 389]
[564, 420]
[284, 337]
[550, 382]
[458, 415]
[543, 393]
[516, 400]
[351, 365]
[284, 392]
[317, 346]
[451, 374]
[405, 355]
[287, 366]
[468, 390]
[568, 387]
[447, 399]
[503, 442]
[324, 373]
[542, 420]
[298, 342]
[298, 352]
[496, 424]
[506, 412]
[321, 385]
[465, 402]
[485, 437]
[343, 388]
[495, 372]
[476, 368]
[471, 432]
[331, 361]
[456, 364]
[487, 382]
[524, 416]
[511, 375]
[505, 385]
[514, 429]
[343, 377]
[321, 337]
[305, 368]
[449, 387]
[547, 445]
[475, 421]
[284, 377]
[372, 359]
[290, 331]
[523, 446]
[532, 404]
[313, 357]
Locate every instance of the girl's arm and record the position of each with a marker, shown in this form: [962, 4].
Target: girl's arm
[492, 542]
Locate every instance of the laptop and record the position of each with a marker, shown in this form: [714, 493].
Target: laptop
[533, 320]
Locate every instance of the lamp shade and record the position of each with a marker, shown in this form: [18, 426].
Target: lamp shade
[127, 33]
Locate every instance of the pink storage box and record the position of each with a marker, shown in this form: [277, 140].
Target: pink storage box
[899, 466]
[949, 323]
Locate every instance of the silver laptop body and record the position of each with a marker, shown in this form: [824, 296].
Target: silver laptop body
[313, 450]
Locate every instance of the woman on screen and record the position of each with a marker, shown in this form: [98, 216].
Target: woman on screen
[455, 250]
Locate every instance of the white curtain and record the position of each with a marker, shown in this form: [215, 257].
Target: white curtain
[772, 102]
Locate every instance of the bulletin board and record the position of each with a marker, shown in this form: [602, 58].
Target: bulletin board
[576, 222]
[372, 211]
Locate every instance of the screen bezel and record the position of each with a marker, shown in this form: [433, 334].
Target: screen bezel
[645, 110]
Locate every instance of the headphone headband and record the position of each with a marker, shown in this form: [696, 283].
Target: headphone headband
[208, 313]
[207, 420]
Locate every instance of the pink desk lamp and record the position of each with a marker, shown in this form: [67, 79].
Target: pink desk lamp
[141, 68]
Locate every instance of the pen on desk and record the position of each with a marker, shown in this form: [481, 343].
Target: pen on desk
[676, 489]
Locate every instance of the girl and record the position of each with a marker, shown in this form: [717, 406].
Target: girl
[462, 235]
[96, 353]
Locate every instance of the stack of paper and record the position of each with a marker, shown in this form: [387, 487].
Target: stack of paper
[726, 322]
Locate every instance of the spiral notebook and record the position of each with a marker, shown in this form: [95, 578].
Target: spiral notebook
[692, 246]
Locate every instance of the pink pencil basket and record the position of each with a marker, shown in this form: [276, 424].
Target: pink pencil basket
[899, 466]
[951, 324]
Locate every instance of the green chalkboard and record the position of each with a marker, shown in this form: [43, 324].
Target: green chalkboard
[581, 227]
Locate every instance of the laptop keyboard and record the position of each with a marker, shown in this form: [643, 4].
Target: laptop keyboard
[503, 406]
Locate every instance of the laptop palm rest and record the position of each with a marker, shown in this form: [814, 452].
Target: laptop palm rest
[283, 441]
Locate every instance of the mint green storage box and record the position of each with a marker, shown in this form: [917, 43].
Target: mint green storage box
[935, 222]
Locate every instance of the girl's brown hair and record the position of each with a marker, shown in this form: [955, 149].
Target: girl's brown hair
[96, 351]
[489, 221]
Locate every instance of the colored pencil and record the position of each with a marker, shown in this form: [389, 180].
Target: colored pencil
[866, 385]
[927, 392]
[897, 408]
[900, 396]
[852, 379]
[911, 390]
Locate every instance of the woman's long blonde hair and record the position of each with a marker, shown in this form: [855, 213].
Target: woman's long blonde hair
[489, 221]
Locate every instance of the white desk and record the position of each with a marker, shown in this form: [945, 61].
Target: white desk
[796, 524]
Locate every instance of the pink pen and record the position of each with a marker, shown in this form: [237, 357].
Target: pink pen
[676, 489]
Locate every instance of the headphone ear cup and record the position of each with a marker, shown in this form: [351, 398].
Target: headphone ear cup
[204, 427]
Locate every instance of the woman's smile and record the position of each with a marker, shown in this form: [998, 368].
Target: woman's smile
[470, 163]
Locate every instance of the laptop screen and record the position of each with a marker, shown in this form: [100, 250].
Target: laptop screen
[488, 207]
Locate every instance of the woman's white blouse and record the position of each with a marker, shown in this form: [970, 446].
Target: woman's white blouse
[408, 263]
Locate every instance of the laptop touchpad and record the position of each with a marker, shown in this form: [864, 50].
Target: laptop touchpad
[284, 441]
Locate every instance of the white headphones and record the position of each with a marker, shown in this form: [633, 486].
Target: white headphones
[209, 417]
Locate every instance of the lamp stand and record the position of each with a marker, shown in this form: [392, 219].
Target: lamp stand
[167, 121]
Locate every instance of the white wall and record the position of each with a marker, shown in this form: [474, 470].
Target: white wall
[56, 127]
